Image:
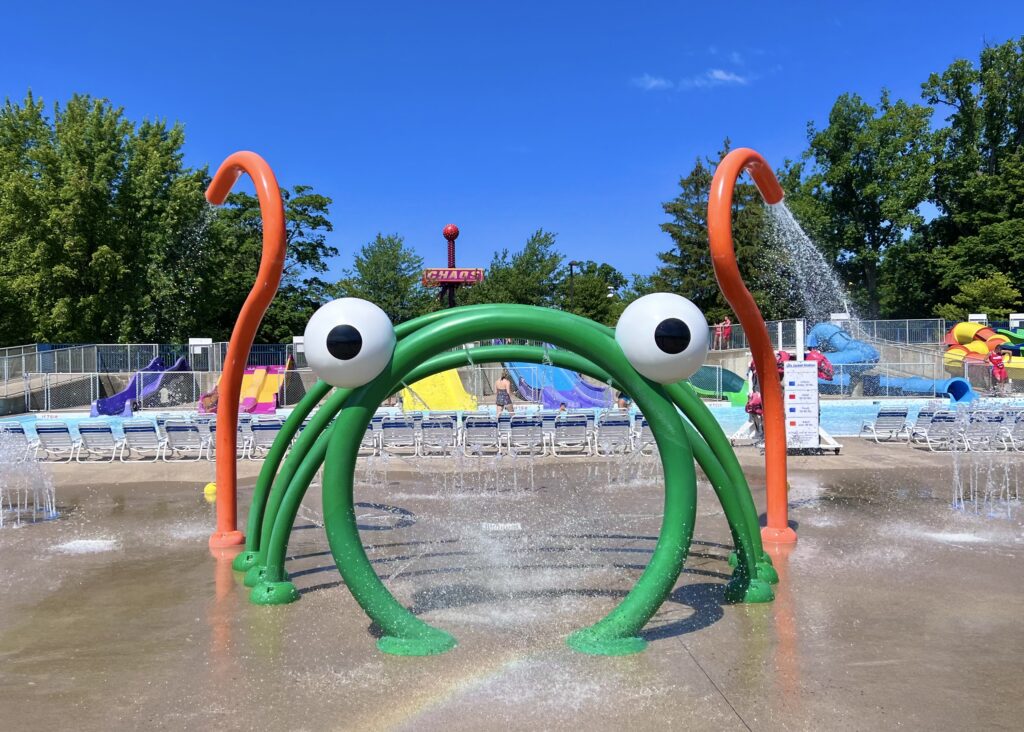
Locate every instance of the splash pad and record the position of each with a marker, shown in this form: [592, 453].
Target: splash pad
[361, 359]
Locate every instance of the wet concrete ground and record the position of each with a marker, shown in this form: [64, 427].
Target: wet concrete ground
[894, 610]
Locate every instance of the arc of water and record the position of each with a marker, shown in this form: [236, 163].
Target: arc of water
[242, 335]
[723, 258]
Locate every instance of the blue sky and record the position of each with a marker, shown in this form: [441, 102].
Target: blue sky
[501, 117]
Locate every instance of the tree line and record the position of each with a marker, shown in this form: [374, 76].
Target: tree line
[105, 234]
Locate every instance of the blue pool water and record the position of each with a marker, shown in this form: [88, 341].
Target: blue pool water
[839, 418]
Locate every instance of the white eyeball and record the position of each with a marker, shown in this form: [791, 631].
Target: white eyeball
[349, 342]
[664, 336]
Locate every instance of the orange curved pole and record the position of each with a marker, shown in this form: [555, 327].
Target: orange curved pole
[723, 257]
[263, 290]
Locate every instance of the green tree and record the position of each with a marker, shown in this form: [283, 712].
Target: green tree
[228, 269]
[979, 169]
[100, 222]
[868, 172]
[530, 276]
[388, 274]
[686, 269]
[591, 291]
[993, 295]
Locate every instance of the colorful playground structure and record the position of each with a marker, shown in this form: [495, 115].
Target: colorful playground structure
[971, 343]
[144, 383]
[659, 342]
[854, 359]
[260, 391]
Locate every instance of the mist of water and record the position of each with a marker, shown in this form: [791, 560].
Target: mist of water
[812, 278]
[26, 487]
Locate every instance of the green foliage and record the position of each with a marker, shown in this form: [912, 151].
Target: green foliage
[994, 295]
[869, 171]
[107, 235]
[229, 268]
[687, 270]
[592, 291]
[530, 276]
[388, 273]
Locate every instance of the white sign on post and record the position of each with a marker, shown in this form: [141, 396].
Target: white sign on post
[800, 396]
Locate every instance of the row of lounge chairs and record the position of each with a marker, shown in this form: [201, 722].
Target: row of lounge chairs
[983, 428]
[437, 434]
[543, 433]
[143, 439]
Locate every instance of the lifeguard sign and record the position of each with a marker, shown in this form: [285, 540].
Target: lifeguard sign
[451, 277]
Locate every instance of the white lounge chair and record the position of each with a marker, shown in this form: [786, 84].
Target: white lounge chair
[1012, 435]
[23, 443]
[259, 437]
[368, 445]
[56, 440]
[398, 435]
[98, 439]
[142, 436]
[185, 441]
[890, 424]
[526, 436]
[916, 431]
[438, 435]
[944, 431]
[571, 436]
[984, 431]
[614, 433]
[480, 435]
[643, 437]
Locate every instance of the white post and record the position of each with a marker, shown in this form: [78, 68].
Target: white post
[778, 330]
[800, 339]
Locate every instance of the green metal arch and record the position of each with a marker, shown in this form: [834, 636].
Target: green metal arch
[617, 632]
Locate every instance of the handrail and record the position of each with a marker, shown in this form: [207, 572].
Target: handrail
[242, 335]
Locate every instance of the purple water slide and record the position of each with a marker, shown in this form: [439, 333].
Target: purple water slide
[552, 398]
[150, 377]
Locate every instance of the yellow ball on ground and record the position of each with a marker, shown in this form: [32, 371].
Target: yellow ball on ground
[210, 492]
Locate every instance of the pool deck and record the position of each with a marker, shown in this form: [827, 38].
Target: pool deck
[893, 610]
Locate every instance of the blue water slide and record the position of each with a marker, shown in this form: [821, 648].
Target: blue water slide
[857, 358]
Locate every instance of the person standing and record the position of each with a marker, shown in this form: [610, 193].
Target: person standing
[503, 393]
[999, 375]
[726, 340]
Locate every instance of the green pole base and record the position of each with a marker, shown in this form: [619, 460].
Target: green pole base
[765, 569]
[273, 593]
[257, 575]
[432, 644]
[766, 573]
[589, 642]
[245, 561]
[748, 592]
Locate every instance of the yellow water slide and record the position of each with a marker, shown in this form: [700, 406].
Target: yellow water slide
[268, 390]
[443, 391]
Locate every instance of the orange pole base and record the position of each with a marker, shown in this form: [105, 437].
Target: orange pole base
[778, 536]
[224, 539]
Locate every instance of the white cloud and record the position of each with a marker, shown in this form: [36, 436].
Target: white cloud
[736, 57]
[714, 77]
[651, 83]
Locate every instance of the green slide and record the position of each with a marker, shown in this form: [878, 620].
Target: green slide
[734, 387]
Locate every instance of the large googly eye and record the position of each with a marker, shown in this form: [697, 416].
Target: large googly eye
[349, 342]
[664, 336]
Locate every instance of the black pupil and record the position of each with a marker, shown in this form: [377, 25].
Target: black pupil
[672, 335]
[344, 342]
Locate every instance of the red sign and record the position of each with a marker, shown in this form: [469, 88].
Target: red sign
[452, 276]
